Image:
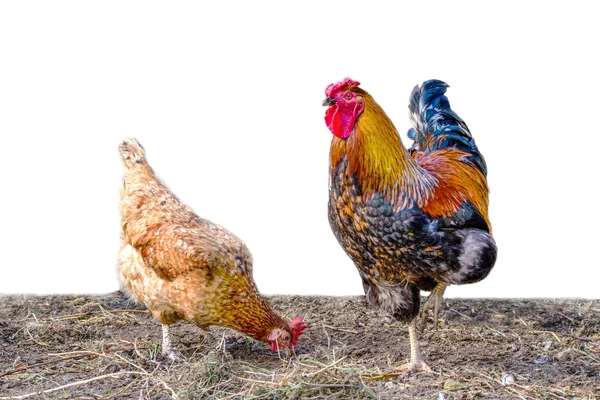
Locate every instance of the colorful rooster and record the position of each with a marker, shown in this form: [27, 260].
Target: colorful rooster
[413, 219]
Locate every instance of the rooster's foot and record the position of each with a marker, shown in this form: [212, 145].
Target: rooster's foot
[434, 302]
[414, 366]
[416, 363]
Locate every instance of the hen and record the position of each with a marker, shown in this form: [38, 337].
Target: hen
[183, 267]
[409, 220]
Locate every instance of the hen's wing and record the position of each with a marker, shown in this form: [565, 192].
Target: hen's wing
[174, 250]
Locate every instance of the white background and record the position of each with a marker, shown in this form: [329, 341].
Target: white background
[226, 98]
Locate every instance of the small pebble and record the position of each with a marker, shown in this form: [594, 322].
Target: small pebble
[507, 379]
[451, 385]
[540, 361]
[564, 355]
[390, 385]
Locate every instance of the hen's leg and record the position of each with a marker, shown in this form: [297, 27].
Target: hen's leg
[168, 350]
[434, 302]
[416, 363]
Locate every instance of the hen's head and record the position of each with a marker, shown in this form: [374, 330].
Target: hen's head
[345, 101]
[132, 153]
[286, 337]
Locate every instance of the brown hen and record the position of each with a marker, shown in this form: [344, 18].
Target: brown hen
[183, 267]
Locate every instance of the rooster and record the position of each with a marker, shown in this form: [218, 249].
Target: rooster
[183, 267]
[410, 220]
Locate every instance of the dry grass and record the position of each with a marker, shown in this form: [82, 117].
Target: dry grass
[211, 375]
[106, 348]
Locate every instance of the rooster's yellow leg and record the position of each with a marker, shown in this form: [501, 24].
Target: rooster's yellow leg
[416, 363]
[434, 302]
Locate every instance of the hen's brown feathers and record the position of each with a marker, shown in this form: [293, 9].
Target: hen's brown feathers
[183, 266]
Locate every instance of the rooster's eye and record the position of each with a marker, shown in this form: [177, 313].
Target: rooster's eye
[348, 96]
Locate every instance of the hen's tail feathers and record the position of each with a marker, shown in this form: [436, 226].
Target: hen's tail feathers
[436, 126]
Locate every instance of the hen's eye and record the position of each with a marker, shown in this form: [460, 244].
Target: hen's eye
[348, 95]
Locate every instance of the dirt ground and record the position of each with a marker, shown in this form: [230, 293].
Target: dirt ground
[105, 347]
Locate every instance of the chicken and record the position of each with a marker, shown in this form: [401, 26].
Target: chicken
[410, 220]
[183, 267]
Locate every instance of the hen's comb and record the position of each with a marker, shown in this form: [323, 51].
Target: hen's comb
[334, 87]
[297, 328]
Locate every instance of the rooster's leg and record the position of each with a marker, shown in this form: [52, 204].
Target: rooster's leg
[416, 363]
[433, 302]
[168, 350]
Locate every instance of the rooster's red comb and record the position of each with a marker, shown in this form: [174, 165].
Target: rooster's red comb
[334, 87]
[297, 328]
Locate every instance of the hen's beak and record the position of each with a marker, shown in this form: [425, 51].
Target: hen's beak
[328, 101]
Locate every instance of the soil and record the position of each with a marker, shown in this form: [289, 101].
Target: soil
[106, 347]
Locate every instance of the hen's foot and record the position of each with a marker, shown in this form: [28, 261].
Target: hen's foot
[172, 354]
[434, 302]
[168, 350]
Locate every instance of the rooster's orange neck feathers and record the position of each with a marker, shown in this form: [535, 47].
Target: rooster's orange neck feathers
[379, 160]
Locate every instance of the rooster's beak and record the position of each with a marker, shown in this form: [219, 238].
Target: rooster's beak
[328, 101]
